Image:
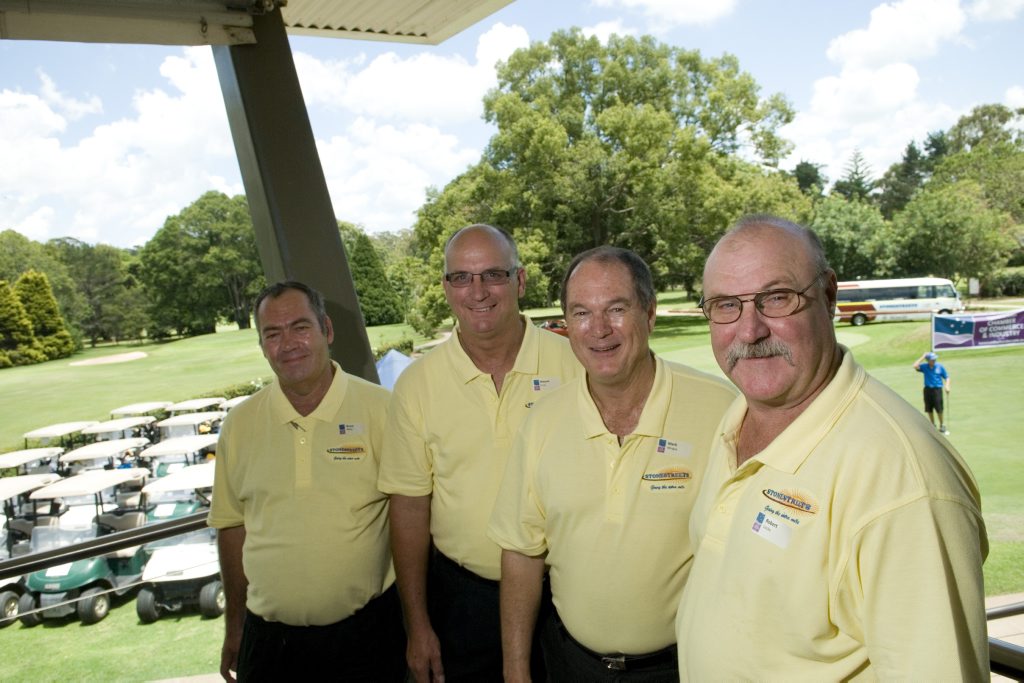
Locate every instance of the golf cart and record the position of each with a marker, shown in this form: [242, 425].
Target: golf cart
[195, 405]
[84, 586]
[207, 422]
[31, 460]
[155, 408]
[122, 428]
[231, 403]
[178, 452]
[65, 434]
[183, 571]
[103, 455]
[14, 537]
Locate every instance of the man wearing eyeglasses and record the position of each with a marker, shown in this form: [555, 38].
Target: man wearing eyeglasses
[452, 419]
[599, 489]
[839, 537]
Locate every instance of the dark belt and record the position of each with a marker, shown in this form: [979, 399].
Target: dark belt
[453, 566]
[622, 662]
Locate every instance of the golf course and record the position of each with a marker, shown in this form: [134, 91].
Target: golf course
[984, 417]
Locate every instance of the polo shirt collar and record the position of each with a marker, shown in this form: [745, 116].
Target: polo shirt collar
[795, 444]
[652, 419]
[283, 412]
[527, 359]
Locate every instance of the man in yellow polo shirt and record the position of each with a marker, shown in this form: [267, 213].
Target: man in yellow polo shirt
[599, 488]
[303, 534]
[840, 536]
[453, 416]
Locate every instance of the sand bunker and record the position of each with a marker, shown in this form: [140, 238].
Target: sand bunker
[116, 358]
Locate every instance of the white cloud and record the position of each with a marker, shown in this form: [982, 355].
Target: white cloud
[377, 174]
[664, 15]
[900, 31]
[605, 29]
[73, 108]
[1014, 96]
[995, 10]
[425, 87]
[858, 94]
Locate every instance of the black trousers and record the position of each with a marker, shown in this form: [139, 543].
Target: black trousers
[465, 614]
[368, 646]
[568, 661]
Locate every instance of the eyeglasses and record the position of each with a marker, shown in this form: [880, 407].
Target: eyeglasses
[487, 278]
[772, 303]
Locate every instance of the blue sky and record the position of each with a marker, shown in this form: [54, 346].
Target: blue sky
[103, 142]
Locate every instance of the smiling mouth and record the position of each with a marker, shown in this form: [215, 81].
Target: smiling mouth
[604, 349]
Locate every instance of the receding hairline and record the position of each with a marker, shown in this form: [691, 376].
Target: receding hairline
[498, 234]
[761, 223]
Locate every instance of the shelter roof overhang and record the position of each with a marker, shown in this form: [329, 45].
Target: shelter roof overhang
[229, 22]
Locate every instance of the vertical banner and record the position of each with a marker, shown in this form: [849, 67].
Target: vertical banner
[978, 330]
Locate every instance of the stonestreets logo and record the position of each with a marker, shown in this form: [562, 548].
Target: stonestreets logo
[667, 475]
[792, 499]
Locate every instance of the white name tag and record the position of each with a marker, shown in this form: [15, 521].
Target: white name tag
[772, 529]
[677, 448]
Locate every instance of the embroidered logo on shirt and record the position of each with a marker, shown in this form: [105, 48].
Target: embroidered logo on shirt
[354, 452]
[667, 479]
[795, 500]
[345, 429]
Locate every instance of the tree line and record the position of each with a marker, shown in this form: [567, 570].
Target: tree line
[633, 143]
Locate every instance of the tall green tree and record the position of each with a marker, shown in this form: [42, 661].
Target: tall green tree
[809, 178]
[987, 125]
[18, 344]
[901, 181]
[34, 293]
[857, 182]
[202, 266]
[858, 241]
[377, 299]
[19, 254]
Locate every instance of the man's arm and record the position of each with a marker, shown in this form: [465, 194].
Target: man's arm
[521, 582]
[229, 547]
[917, 363]
[409, 517]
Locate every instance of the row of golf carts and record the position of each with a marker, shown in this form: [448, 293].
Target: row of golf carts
[61, 497]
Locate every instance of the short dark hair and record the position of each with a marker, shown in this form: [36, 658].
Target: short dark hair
[315, 298]
[489, 228]
[643, 282]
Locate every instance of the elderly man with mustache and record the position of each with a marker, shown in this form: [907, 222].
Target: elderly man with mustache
[840, 536]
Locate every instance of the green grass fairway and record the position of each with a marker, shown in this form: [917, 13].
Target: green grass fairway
[986, 409]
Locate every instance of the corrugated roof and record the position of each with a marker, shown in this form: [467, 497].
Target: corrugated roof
[228, 22]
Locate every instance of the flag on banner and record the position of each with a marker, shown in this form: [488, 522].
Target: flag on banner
[967, 331]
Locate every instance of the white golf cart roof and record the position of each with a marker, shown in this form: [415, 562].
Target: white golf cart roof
[57, 430]
[119, 425]
[191, 418]
[180, 445]
[191, 477]
[88, 483]
[25, 456]
[15, 486]
[232, 402]
[194, 404]
[103, 449]
[139, 408]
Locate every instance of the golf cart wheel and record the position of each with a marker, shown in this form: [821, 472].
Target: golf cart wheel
[8, 608]
[26, 604]
[146, 606]
[858, 319]
[93, 606]
[211, 599]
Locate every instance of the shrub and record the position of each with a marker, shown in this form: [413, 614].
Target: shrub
[1004, 282]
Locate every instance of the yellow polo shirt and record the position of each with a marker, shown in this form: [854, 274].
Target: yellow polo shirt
[613, 519]
[449, 435]
[316, 545]
[850, 548]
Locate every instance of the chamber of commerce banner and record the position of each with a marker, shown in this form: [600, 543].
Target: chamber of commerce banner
[978, 330]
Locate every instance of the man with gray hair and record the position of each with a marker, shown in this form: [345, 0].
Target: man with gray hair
[839, 536]
[599, 489]
[451, 422]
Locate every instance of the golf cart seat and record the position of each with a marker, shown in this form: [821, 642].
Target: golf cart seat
[128, 499]
[21, 527]
[113, 522]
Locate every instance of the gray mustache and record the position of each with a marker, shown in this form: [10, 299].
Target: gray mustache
[767, 348]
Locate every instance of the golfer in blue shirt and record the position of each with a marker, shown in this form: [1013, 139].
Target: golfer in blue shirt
[935, 380]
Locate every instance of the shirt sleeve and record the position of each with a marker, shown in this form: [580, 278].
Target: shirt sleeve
[225, 508]
[915, 577]
[406, 464]
[518, 519]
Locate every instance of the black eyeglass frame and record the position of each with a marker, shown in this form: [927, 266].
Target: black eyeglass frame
[758, 299]
[507, 273]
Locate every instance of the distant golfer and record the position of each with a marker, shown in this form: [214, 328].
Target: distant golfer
[935, 380]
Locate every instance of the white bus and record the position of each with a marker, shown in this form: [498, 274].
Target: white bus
[915, 298]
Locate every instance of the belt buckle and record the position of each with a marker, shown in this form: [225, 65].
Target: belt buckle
[614, 663]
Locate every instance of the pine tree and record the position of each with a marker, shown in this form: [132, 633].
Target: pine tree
[377, 298]
[856, 183]
[34, 292]
[18, 345]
